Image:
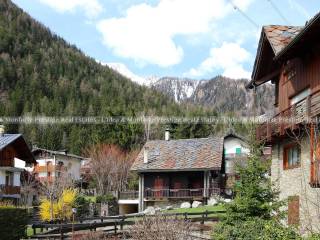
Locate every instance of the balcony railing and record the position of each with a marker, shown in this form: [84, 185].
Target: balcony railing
[9, 190]
[171, 193]
[302, 111]
[129, 195]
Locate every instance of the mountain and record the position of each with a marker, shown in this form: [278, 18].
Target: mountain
[222, 94]
[179, 89]
[43, 75]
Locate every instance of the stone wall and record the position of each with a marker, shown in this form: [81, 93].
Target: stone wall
[295, 182]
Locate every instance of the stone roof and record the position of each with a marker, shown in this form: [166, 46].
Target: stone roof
[37, 150]
[6, 139]
[280, 36]
[179, 155]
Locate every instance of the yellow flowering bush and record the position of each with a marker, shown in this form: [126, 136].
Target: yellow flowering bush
[60, 209]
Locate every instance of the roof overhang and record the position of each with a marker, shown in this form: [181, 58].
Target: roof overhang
[175, 170]
[22, 149]
[265, 68]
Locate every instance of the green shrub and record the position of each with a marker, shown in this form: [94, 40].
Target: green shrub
[13, 222]
[104, 198]
[83, 206]
[315, 236]
[254, 229]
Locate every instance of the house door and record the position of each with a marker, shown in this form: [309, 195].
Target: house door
[158, 187]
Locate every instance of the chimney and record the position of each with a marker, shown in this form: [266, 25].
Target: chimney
[1, 130]
[145, 154]
[167, 135]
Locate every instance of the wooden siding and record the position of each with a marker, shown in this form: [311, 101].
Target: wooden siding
[306, 75]
[7, 156]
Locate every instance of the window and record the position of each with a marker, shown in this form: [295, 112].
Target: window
[300, 96]
[291, 156]
[238, 151]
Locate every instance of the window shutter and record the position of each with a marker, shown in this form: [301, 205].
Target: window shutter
[293, 210]
[312, 154]
[238, 151]
[285, 158]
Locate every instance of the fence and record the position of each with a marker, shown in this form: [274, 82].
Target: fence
[58, 230]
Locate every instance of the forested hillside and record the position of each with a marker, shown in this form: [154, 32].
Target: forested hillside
[41, 74]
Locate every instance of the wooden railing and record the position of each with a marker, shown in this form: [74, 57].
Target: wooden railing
[116, 223]
[302, 111]
[9, 190]
[129, 195]
[173, 193]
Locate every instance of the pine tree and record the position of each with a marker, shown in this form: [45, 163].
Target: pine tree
[255, 211]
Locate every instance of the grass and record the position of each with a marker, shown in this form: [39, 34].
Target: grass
[200, 209]
[30, 231]
[90, 198]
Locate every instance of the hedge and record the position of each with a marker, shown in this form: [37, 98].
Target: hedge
[13, 222]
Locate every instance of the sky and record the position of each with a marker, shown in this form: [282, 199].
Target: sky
[197, 39]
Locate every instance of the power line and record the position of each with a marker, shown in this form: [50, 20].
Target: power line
[279, 12]
[244, 14]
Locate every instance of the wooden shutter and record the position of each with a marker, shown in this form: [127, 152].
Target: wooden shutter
[293, 210]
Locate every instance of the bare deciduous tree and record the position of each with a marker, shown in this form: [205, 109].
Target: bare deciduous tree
[110, 167]
[29, 187]
[160, 227]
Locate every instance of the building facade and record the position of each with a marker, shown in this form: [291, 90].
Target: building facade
[175, 171]
[55, 164]
[289, 57]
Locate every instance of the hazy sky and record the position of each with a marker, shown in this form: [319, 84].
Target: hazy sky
[184, 38]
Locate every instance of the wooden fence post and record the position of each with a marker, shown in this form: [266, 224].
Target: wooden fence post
[121, 222]
[115, 227]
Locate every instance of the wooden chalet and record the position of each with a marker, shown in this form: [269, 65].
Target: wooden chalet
[289, 58]
[15, 155]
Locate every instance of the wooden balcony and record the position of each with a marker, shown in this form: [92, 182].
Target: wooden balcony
[290, 119]
[171, 193]
[9, 190]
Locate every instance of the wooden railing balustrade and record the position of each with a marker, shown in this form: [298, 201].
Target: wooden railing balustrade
[129, 195]
[9, 190]
[302, 111]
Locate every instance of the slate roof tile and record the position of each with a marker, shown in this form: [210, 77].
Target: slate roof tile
[6, 139]
[183, 154]
[280, 36]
